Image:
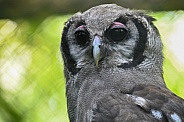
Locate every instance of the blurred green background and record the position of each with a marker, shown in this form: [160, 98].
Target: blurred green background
[32, 84]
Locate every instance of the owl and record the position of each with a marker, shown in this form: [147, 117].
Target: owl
[113, 68]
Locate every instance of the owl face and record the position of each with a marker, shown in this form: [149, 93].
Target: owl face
[110, 36]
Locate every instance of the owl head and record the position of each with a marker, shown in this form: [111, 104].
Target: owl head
[110, 36]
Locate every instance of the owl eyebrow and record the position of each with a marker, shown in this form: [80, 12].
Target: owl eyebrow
[121, 20]
[80, 23]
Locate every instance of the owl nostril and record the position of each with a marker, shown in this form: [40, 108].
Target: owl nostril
[97, 41]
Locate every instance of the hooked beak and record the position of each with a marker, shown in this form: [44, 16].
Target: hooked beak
[96, 49]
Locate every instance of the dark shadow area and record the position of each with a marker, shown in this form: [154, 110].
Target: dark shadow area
[43, 8]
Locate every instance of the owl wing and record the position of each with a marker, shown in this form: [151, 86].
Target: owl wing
[145, 103]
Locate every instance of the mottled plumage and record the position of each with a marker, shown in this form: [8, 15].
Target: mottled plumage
[113, 68]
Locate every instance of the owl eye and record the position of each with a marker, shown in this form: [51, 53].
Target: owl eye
[117, 32]
[81, 35]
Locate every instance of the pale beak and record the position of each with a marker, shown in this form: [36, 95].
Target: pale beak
[96, 49]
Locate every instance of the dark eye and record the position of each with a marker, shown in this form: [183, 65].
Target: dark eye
[117, 34]
[82, 36]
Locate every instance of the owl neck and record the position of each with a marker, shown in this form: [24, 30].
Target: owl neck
[114, 79]
[90, 83]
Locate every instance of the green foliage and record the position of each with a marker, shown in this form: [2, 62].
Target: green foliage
[32, 81]
[171, 27]
[32, 84]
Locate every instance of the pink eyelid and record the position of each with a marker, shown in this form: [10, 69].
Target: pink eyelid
[114, 24]
[81, 27]
[118, 24]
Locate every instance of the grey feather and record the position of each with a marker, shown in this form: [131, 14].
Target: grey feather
[120, 79]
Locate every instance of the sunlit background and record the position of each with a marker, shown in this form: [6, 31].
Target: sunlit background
[32, 84]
